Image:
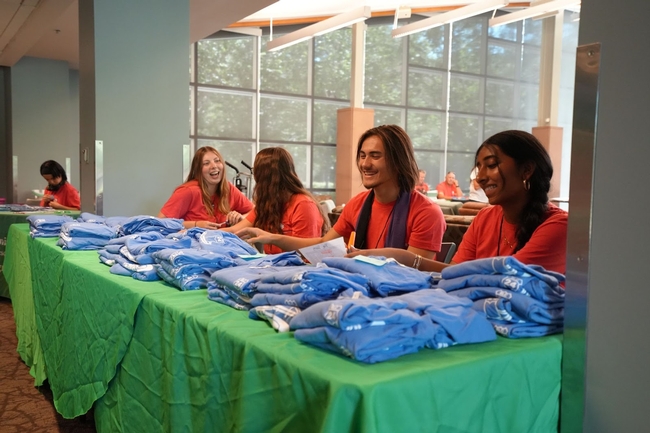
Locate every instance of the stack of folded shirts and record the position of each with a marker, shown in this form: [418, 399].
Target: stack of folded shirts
[235, 287]
[85, 236]
[147, 223]
[306, 286]
[132, 255]
[377, 329]
[87, 217]
[140, 250]
[386, 276]
[190, 269]
[520, 300]
[368, 330]
[46, 225]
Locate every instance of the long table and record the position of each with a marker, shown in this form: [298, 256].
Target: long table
[152, 358]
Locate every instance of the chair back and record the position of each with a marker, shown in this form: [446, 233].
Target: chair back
[446, 253]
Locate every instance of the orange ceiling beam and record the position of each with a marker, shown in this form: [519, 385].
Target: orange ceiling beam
[310, 20]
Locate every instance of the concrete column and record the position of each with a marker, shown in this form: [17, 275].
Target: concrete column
[351, 124]
[134, 99]
[551, 139]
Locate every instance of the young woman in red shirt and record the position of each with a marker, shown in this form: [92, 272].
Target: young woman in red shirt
[282, 204]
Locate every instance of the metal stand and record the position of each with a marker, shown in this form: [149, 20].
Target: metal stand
[242, 180]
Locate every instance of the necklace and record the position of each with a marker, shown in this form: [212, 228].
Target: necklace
[512, 247]
[385, 225]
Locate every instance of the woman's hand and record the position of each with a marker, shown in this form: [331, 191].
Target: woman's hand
[254, 235]
[55, 204]
[208, 225]
[405, 257]
[233, 217]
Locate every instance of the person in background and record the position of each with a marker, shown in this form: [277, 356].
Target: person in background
[448, 188]
[390, 214]
[59, 194]
[422, 187]
[515, 172]
[476, 193]
[207, 199]
[282, 204]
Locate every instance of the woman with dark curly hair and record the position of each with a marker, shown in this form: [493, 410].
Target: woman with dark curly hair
[282, 204]
[515, 172]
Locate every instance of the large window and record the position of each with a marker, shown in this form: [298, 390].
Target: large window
[449, 87]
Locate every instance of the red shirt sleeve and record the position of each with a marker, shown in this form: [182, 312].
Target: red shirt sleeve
[182, 200]
[347, 221]
[426, 224]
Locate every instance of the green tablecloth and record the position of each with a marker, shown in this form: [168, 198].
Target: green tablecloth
[199, 366]
[175, 361]
[6, 220]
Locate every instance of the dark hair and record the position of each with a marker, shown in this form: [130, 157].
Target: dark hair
[276, 182]
[223, 188]
[399, 154]
[54, 169]
[525, 148]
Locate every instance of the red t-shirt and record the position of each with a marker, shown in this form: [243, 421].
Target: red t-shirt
[301, 219]
[546, 247]
[424, 227]
[186, 203]
[67, 195]
[446, 189]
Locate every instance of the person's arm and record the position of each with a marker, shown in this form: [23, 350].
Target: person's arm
[58, 206]
[405, 257]
[458, 191]
[253, 235]
[209, 225]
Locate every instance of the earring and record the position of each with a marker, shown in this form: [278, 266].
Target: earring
[526, 184]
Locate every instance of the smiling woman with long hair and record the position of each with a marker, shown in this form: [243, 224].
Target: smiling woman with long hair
[206, 199]
[282, 204]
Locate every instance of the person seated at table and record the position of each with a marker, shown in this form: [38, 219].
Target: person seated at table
[476, 193]
[390, 214]
[59, 194]
[515, 172]
[422, 187]
[282, 204]
[448, 188]
[207, 199]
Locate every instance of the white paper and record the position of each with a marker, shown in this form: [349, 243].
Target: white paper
[316, 253]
